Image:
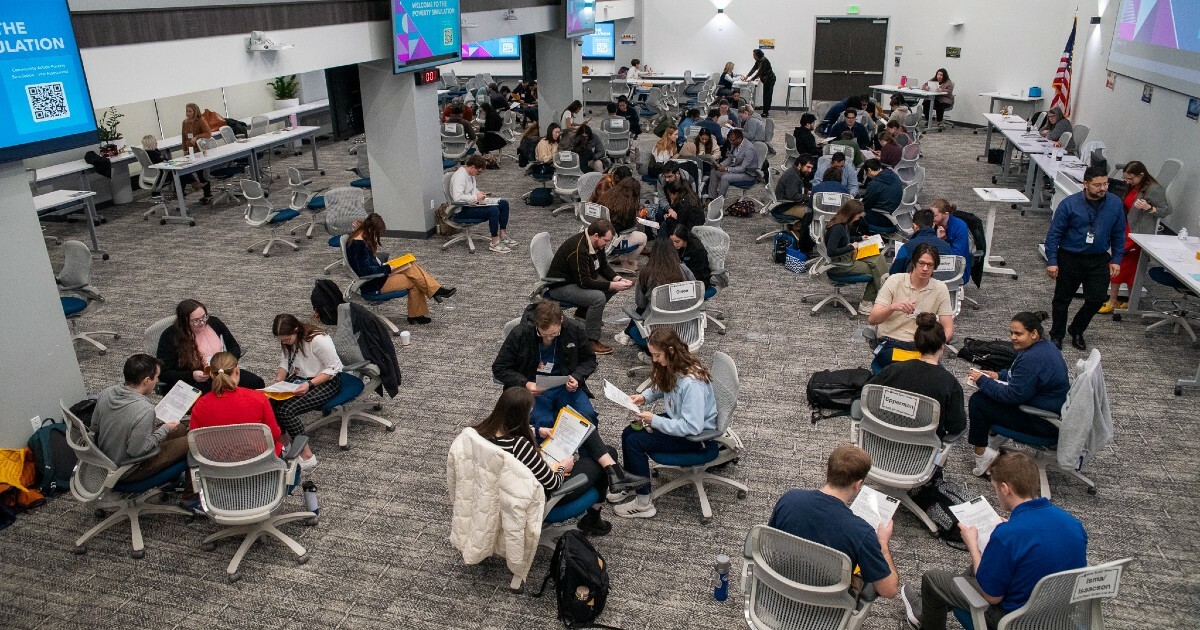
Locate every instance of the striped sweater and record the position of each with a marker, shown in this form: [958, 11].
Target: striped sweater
[524, 450]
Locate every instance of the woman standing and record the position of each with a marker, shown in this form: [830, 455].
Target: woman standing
[690, 408]
[421, 285]
[842, 247]
[624, 203]
[230, 403]
[187, 347]
[307, 357]
[940, 83]
[762, 72]
[1145, 204]
[194, 128]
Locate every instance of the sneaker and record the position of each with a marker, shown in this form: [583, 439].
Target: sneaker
[912, 605]
[499, 248]
[619, 497]
[634, 509]
[984, 462]
[622, 339]
[308, 464]
[599, 348]
[508, 240]
[864, 307]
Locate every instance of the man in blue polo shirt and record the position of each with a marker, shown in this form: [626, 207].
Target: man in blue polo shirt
[954, 230]
[1038, 539]
[924, 233]
[824, 517]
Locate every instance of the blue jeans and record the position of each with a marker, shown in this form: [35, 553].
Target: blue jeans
[635, 446]
[547, 404]
[883, 353]
[636, 337]
[497, 215]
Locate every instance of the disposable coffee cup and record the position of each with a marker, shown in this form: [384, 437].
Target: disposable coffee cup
[405, 338]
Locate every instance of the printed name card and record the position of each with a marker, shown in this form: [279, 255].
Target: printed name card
[1096, 584]
[682, 291]
[899, 402]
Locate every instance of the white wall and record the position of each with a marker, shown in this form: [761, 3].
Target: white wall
[1131, 129]
[690, 35]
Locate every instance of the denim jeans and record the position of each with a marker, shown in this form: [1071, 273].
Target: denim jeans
[497, 215]
[547, 404]
[635, 446]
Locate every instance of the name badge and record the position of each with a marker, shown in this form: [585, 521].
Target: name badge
[1091, 238]
[596, 265]
[545, 367]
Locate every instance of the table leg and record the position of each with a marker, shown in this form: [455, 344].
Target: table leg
[91, 221]
[1139, 280]
[1030, 178]
[987, 250]
[183, 215]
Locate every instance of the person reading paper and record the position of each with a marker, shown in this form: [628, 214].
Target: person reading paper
[361, 251]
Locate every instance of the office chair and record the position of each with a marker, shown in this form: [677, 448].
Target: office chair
[358, 376]
[1057, 601]
[259, 213]
[824, 266]
[465, 226]
[77, 295]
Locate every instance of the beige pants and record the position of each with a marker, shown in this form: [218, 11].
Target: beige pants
[420, 284]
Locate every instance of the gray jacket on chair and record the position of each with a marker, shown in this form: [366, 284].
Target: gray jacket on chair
[1141, 222]
[1087, 424]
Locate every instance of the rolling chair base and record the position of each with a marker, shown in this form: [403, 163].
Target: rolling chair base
[836, 297]
[333, 265]
[255, 531]
[714, 316]
[697, 476]
[87, 336]
[563, 208]
[132, 508]
[347, 413]
[464, 235]
[266, 252]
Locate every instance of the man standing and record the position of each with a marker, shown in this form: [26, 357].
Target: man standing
[588, 281]
[824, 517]
[738, 166]
[124, 423]
[464, 192]
[1038, 539]
[1085, 245]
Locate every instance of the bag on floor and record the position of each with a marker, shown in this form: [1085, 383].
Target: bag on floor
[834, 391]
[18, 475]
[741, 208]
[440, 217]
[326, 297]
[795, 261]
[580, 577]
[52, 457]
[995, 156]
[935, 498]
[990, 355]
[540, 197]
[784, 241]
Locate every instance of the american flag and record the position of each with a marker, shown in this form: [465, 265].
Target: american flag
[1062, 78]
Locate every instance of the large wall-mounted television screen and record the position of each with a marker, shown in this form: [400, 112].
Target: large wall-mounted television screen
[1158, 41]
[46, 105]
[600, 44]
[500, 48]
[581, 17]
[426, 33]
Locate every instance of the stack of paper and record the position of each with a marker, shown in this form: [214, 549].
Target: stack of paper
[874, 507]
[176, 403]
[570, 430]
[978, 513]
[282, 390]
[871, 246]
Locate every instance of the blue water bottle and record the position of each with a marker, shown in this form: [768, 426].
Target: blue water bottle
[721, 579]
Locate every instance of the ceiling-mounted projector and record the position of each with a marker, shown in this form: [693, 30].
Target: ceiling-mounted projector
[259, 42]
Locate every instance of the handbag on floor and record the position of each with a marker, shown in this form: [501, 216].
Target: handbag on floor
[580, 577]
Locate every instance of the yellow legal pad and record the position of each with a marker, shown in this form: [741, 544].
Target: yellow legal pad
[869, 247]
[399, 262]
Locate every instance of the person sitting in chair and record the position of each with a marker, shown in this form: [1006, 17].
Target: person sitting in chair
[231, 403]
[464, 191]
[849, 176]
[587, 280]
[124, 423]
[884, 194]
[841, 245]
[850, 123]
[739, 166]
[361, 251]
[927, 377]
[902, 298]
[190, 343]
[923, 232]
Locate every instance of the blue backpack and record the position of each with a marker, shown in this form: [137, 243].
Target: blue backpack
[52, 457]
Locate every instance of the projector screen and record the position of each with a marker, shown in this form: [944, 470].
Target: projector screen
[46, 106]
[581, 17]
[501, 48]
[426, 33]
[600, 44]
[1158, 41]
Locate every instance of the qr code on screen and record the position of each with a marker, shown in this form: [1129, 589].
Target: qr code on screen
[47, 101]
[448, 37]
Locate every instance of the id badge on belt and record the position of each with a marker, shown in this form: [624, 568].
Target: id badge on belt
[1091, 238]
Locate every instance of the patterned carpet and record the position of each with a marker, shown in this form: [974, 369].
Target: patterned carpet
[381, 556]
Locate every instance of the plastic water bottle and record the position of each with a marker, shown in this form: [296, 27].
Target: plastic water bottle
[903, 80]
[310, 497]
[1183, 234]
[721, 579]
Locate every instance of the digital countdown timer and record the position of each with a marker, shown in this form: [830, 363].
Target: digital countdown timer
[425, 77]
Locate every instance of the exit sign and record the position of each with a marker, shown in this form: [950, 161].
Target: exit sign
[852, 9]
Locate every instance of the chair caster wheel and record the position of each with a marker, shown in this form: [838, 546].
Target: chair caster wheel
[721, 332]
[162, 221]
[391, 429]
[115, 337]
[208, 546]
[345, 447]
[303, 559]
[1116, 317]
[1178, 391]
[312, 522]
[322, 171]
[104, 257]
[101, 352]
[191, 224]
[705, 520]
[993, 179]
[234, 577]
[1091, 491]
[654, 473]
[741, 494]
[249, 250]
[811, 314]
[377, 407]
[137, 554]
[1014, 277]
[99, 514]
[266, 255]
[80, 550]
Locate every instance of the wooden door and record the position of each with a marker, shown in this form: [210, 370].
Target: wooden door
[849, 56]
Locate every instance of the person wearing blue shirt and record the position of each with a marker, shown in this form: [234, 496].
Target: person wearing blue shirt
[1085, 245]
[1037, 540]
[884, 193]
[1038, 378]
[824, 517]
[830, 182]
[692, 118]
[713, 126]
[849, 174]
[924, 233]
[362, 247]
[835, 112]
[850, 123]
[954, 231]
[690, 408]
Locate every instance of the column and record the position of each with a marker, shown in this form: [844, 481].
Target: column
[39, 365]
[404, 147]
[560, 80]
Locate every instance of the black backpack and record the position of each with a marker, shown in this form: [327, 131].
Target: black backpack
[835, 391]
[580, 577]
[540, 197]
[52, 457]
[989, 355]
[784, 241]
[935, 498]
[326, 298]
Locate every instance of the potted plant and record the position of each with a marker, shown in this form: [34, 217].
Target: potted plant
[286, 91]
[111, 140]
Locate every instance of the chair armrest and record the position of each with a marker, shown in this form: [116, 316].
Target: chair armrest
[868, 593]
[140, 458]
[295, 448]
[970, 593]
[633, 314]
[1041, 413]
[569, 485]
[856, 409]
[711, 434]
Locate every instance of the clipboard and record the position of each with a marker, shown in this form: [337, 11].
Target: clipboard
[570, 430]
[400, 261]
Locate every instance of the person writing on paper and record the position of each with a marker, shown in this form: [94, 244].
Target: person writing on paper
[690, 408]
[587, 280]
[940, 83]
[1145, 205]
[824, 517]
[726, 80]
[849, 176]
[465, 192]
[420, 284]
[1038, 539]
[927, 377]
[901, 299]
[194, 128]
[1038, 378]
[123, 423]
[842, 235]
[230, 403]
[570, 117]
[683, 208]
[741, 164]
[307, 357]
[187, 346]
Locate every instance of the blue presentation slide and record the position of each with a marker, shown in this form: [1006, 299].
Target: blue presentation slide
[501, 48]
[600, 44]
[45, 93]
[427, 33]
[581, 17]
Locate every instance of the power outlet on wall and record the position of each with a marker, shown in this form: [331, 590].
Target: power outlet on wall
[36, 421]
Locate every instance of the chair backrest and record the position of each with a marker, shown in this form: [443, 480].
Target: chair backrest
[590, 212]
[716, 211]
[617, 88]
[716, 244]
[449, 80]
[1068, 599]
[770, 133]
[911, 152]
[910, 193]
[251, 189]
[345, 337]
[1080, 134]
[1064, 141]
[691, 132]
[77, 265]
[258, 126]
[227, 134]
[95, 473]
[541, 251]
[679, 305]
[830, 202]
[567, 161]
[1169, 171]
[1039, 119]
[240, 476]
[587, 184]
[726, 387]
[773, 175]
[798, 77]
[508, 327]
[797, 580]
[155, 332]
[951, 271]
[151, 175]
[760, 153]
[899, 430]
[614, 125]
[344, 206]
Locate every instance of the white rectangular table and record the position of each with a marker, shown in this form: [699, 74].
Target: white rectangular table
[1028, 142]
[61, 202]
[994, 197]
[906, 91]
[1049, 164]
[1179, 259]
[1000, 121]
[299, 110]
[1006, 97]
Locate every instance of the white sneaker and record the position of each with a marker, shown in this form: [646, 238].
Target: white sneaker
[984, 462]
[634, 509]
[308, 464]
[622, 339]
[499, 248]
[619, 497]
[864, 307]
[507, 240]
[997, 441]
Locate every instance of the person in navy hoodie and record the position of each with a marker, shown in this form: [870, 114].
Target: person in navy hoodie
[884, 193]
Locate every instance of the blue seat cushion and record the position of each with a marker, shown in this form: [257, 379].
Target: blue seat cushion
[1164, 277]
[361, 183]
[317, 203]
[571, 509]
[378, 296]
[448, 163]
[1035, 441]
[710, 292]
[352, 386]
[685, 460]
[335, 241]
[72, 305]
[285, 215]
[850, 278]
[744, 185]
[168, 474]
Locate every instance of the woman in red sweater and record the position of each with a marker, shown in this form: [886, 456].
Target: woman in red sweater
[229, 404]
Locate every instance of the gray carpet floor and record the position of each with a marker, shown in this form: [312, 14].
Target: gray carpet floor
[381, 555]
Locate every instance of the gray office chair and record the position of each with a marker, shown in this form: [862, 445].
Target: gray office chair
[716, 244]
[343, 206]
[258, 126]
[824, 266]
[455, 145]
[1168, 172]
[1080, 135]
[541, 252]
[242, 483]
[679, 305]
[791, 152]
[301, 199]
[590, 212]
[154, 179]
[260, 214]
[77, 295]
[464, 226]
[567, 171]
[716, 212]
[1057, 601]
[772, 202]
[616, 138]
[792, 583]
[587, 185]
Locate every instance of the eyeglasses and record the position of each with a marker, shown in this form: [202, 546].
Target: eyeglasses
[925, 265]
[199, 321]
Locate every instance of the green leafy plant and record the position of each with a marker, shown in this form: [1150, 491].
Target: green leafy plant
[107, 125]
[284, 87]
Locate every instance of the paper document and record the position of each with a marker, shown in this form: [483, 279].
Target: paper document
[648, 223]
[978, 513]
[282, 387]
[176, 403]
[570, 430]
[614, 393]
[488, 201]
[400, 261]
[550, 382]
[1004, 194]
[874, 507]
[870, 246]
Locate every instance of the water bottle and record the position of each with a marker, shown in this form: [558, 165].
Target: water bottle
[1183, 234]
[721, 579]
[903, 80]
[310, 497]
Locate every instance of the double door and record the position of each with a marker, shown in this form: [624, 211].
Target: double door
[849, 56]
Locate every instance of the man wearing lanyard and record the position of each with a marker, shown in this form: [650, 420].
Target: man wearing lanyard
[1084, 246]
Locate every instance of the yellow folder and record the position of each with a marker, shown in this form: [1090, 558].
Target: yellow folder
[400, 261]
